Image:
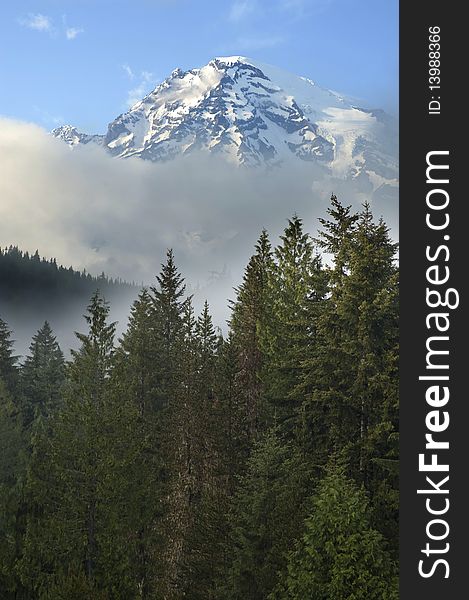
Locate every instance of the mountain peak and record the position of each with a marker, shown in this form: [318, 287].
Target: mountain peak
[251, 114]
[232, 60]
[71, 135]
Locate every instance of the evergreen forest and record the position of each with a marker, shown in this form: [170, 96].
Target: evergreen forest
[175, 462]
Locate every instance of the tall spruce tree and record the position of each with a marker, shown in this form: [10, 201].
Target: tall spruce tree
[78, 479]
[351, 379]
[12, 467]
[173, 372]
[207, 520]
[8, 361]
[267, 516]
[339, 555]
[168, 300]
[12, 507]
[134, 381]
[42, 376]
[249, 316]
[297, 285]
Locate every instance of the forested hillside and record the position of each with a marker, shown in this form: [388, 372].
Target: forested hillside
[173, 463]
[33, 289]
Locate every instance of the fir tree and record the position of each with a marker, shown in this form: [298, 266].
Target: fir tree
[350, 379]
[169, 301]
[134, 380]
[8, 361]
[249, 317]
[339, 555]
[42, 376]
[297, 286]
[78, 477]
[12, 507]
[12, 467]
[268, 512]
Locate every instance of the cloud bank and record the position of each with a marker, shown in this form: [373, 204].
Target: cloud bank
[92, 211]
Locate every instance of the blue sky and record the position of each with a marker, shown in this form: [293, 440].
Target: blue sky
[83, 61]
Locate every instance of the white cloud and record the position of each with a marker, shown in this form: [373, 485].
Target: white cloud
[38, 22]
[44, 23]
[72, 32]
[128, 71]
[93, 211]
[241, 9]
[147, 82]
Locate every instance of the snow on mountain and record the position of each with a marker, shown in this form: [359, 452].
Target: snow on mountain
[73, 137]
[253, 115]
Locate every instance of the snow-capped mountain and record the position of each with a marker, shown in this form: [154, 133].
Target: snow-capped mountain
[253, 115]
[73, 137]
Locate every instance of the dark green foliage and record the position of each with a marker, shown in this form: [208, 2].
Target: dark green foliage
[250, 313]
[296, 286]
[8, 362]
[33, 290]
[78, 480]
[350, 377]
[268, 511]
[181, 464]
[42, 376]
[12, 474]
[26, 276]
[339, 555]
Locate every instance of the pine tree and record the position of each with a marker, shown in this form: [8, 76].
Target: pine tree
[235, 442]
[169, 300]
[351, 378]
[12, 467]
[8, 361]
[297, 285]
[180, 454]
[267, 516]
[339, 555]
[134, 379]
[42, 376]
[12, 472]
[173, 373]
[202, 555]
[249, 315]
[78, 477]
[336, 235]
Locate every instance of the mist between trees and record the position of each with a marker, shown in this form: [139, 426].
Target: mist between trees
[176, 463]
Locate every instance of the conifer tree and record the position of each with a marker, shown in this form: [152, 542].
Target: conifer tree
[339, 555]
[180, 453]
[8, 361]
[173, 373]
[249, 315]
[12, 467]
[134, 382]
[267, 516]
[12, 472]
[235, 442]
[42, 376]
[78, 477]
[169, 300]
[207, 501]
[350, 379]
[297, 286]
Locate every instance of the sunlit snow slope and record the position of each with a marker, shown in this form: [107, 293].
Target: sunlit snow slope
[253, 114]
